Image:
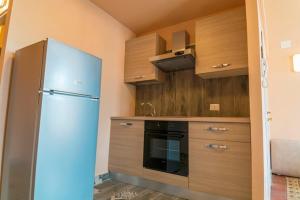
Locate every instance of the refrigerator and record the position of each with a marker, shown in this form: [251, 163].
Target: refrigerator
[52, 124]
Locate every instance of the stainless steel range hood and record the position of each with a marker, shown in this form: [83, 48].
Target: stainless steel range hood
[180, 58]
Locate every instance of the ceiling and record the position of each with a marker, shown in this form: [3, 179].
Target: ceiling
[147, 15]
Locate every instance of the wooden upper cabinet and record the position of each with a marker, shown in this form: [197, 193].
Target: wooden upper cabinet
[138, 68]
[221, 44]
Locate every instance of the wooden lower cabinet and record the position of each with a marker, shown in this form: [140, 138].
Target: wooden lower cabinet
[126, 147]
[216, 166]
[220, 167]
[126, 153]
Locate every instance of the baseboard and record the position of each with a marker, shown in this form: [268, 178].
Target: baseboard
[102, 178]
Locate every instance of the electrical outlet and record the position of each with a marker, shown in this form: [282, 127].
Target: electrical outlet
[214, 107]
[286, 44]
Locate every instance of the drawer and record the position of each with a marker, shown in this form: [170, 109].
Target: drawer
[239, 132]
[127, 125]
[220, 167]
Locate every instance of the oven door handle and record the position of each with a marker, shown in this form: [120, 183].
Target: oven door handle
[167, 135]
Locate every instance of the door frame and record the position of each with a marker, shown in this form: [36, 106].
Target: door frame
[260, 170]
[5, 34]
[265, 99]
[3, 87]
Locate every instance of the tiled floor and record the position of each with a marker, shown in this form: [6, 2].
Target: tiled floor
[109, 188]
[279, 191]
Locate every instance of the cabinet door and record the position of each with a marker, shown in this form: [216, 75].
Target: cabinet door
[220, 167]
[126, 147]
[221, 44]
[137, 65]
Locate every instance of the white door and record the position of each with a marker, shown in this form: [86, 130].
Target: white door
[266, 117]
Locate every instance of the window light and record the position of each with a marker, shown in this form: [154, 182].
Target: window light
[2, 3]
[296, 62]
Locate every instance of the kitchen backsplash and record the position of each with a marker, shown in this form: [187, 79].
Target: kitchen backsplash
[185, 94]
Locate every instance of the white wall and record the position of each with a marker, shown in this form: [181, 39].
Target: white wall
[282, 23]
[83, 25]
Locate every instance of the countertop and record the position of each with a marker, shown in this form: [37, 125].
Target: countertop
[190, 119]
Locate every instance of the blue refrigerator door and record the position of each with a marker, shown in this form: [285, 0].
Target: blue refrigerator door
[66, 152]
[68, 69]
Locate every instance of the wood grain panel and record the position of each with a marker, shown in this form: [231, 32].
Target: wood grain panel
[137, 53]
[126, 147]
[185, 94]
[241, 96]
[222, 39]
[168, 96]
[139, 99]
[239, 132]
[222, 172]
[211, 96]
[227, 96]
[196, 103]
[166, 178]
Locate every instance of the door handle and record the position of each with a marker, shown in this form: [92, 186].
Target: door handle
[217, 129]
[139, 77]
[224, 65]
[217, 147]
[269, 116]
[126, 124]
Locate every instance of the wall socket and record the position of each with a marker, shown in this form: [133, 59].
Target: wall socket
[214, 107]
[286, 44]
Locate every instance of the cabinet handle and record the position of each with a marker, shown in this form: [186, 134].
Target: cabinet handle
[216, 129]
[224, 65]
[217, 147]
[126, 124]
[139, 77]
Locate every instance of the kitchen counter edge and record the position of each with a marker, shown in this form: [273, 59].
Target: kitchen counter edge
[189, 119]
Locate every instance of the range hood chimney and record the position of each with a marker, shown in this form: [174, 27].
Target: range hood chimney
[179, 58]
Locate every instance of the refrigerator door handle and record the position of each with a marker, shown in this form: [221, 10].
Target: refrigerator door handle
[53, 92]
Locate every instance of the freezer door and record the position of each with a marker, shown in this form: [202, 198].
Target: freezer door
[66, 152]
[71, 70]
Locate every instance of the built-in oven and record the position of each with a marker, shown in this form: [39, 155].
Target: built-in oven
[166, 147]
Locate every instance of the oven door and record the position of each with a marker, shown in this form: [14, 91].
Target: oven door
[166, 152]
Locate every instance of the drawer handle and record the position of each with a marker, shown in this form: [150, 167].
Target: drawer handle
[217, 129]
[139, 77]
[217, 147]
[125, 124]
[224, 65]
